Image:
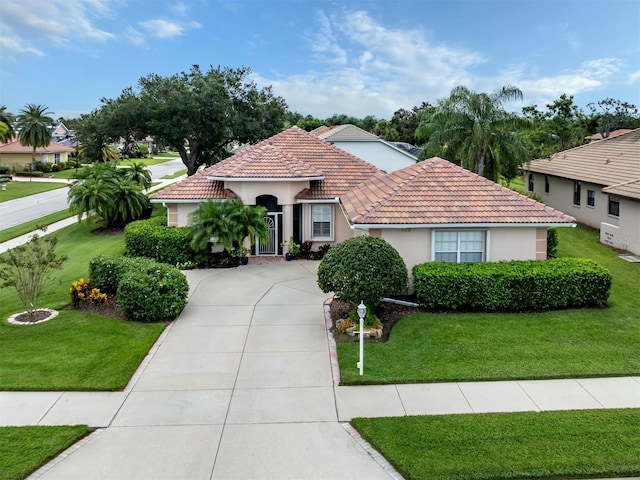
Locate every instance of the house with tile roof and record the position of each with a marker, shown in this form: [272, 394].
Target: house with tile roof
[430, 210]
[598, 184]
[18, 157]
[369, 147]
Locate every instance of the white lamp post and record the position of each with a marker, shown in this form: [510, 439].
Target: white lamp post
[362, 312]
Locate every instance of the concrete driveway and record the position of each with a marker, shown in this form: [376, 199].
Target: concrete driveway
[240, 387]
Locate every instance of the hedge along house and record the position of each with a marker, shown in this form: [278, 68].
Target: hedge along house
[432, 210]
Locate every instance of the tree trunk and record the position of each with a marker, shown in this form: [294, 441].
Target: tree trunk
[189, 158]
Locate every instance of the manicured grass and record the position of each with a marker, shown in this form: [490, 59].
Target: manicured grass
[146, 161]
[69, 173]
[33, 225]
[25, 449]
[168, 155]
[76, 350]
[16, 190]
[176, 174]
[438, 347]
[566, 444]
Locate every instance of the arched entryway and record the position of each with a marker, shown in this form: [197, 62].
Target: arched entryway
[274, 225]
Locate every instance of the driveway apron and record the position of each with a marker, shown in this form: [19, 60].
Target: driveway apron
[240, 387]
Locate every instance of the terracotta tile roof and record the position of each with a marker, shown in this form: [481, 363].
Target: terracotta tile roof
[292, 150]
[614, 161]
[263, 160]
[436, 191]
[614, 133]
[196, 187]
[13, 146]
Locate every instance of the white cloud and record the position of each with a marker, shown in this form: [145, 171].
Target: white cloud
[633, 78]
[166, 29]
[30, 25]
[372, 69]
[135, 37]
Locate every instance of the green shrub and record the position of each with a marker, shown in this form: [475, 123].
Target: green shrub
[362, 268]
[552, 242]
[4, 170]
[153, 239]
[156, 293]
[512, 286]
[43, 167]
[322, 250]
[106, 271]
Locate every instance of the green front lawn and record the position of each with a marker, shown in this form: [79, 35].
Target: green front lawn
[24, 189]
[470, 346]
[76, 350]
[145, 161]
[540, 445]
[25, 449]
[32, 225]
[176, 174]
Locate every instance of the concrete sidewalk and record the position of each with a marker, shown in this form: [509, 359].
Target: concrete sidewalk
[242, 385]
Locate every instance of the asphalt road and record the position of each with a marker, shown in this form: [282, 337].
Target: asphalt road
[21, 210]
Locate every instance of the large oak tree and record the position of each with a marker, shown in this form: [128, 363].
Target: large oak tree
[201, 115]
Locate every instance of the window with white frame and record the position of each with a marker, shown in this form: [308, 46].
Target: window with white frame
[591, 198]
[321, 219]
[56, 158]
[464, 246]
[614, 206]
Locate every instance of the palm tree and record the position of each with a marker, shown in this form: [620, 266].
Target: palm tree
[128, 202]
[91, 196]
[210, 220]
[106, 153]
[33, 128]
[474, 130]
[248, 222]
[6, 125]
[138, 173]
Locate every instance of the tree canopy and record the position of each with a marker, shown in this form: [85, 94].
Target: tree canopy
[201, 115]
[33, 124]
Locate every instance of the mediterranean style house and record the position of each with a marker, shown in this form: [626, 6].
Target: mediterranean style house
[18, 157]
[431, 210]
[598, 184]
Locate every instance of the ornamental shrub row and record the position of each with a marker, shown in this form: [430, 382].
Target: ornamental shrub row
[153, 239]
[147, 290]
[512, 286]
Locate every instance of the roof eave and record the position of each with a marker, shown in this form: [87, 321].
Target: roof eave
[264, 179]
[462, 225]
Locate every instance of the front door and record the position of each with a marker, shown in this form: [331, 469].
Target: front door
[274, 227]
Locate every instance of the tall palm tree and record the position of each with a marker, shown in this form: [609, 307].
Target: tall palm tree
[6, 125]
[128, 202]
[33, 128]
[474, 130]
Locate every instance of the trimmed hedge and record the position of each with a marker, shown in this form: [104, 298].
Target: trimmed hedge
[156, 293]
[153, 239]
[512, 286]
[147, 290]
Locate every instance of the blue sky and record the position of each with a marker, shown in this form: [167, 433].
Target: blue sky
[324, 57]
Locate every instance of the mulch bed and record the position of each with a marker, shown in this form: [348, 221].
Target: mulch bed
[109, 308]
[33, 316]
[388, 313]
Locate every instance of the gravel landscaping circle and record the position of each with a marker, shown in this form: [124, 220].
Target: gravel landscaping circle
[32, 317]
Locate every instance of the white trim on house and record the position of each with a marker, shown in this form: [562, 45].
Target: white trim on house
[192, 201]
[329, 200]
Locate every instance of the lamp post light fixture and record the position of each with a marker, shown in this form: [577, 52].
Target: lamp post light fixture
[362, 312]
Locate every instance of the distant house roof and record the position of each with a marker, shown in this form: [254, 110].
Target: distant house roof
[613, 163]
[14, 146]
[437, 192]
[613, 133]
[344, 133]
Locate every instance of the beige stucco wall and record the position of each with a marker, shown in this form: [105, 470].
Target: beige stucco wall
[621, 232]
[512, 244]
[626, 234]
[20, 161]
[180, 212]
[285, 192]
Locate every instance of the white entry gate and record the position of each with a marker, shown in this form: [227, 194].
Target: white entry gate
[270, 247]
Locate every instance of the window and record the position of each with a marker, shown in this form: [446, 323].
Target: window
[56, 158]
[321, 221]
[576, 192]
[546, 184]
[531, 182]
[591, 198]
[458, 246]
[614, 206]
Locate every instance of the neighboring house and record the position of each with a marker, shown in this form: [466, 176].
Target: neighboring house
[367, 146]
[614, 133]
[18, 157]
[431, 210]
[597, 183]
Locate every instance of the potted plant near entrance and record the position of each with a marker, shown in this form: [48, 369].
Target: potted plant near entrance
[293, 249]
